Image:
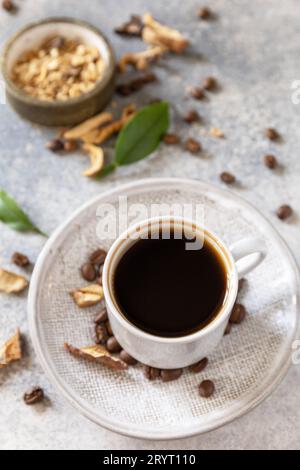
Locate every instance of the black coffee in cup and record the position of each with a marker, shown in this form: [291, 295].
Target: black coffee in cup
[167, 290]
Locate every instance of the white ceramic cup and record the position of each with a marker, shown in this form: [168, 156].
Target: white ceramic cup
[173, 353]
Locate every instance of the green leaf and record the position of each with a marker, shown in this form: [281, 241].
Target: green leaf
[12, 215]
[142, 134]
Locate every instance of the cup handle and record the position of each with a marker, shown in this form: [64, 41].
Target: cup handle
[248, 254]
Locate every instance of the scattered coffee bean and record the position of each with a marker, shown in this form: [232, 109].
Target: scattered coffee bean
[8, 5]
[271, 134]
[227, 177]
[206, 388]
[109, 329]
[193, 146]
[127, 358]
[228, 329]
[100, 280]
[169, 375]
[204, 13]
[34, 396]
[191, 116]
[133, 27]
[126, 89]
[98, 257]
[270, 161]
[55, 145]
[209, 83]
[88, 272]
[151, 373]
[112, 345]
[70, 145]
[20, 260]
[199, 366]
[101, 334]
[102, 317]
[171, 139]
[197, 93]
[238, 314]
[284, 212]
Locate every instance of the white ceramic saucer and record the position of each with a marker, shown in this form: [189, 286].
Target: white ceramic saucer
[246, 367]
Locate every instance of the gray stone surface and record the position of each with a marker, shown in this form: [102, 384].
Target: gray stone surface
[253, 49]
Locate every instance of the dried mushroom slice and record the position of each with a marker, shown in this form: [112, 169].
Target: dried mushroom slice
[156, 34]
[88, 126]
[88, 296]
[99, 354]
[96, 155]
[11, 351]
[141, 60]
[12, 283]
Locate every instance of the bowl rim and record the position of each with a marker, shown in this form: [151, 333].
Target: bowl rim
[240, 407]
[20, 95]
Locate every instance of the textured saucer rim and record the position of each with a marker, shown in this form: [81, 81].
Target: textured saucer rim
[237, 410]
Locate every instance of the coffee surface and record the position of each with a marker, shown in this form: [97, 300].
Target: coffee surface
[169, 291]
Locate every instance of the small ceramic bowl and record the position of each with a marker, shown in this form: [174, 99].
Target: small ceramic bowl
[58, 113]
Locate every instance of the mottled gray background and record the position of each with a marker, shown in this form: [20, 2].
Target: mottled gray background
[253, 49]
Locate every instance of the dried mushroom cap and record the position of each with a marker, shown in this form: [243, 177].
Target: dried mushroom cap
[98, 136]
[141, 60]
[88, 296]
[97, 159]
[99, 354]
[156, 34]
[88, 126]
[11, 350]
[12, 283]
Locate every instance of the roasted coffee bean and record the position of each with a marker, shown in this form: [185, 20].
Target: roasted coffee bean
[100, 280]
[20, 260]
[101, 334]
[127, 358]
[204, 13]
[101, 317]
[8, 5]
[271, 134]
[34, 396]
[238, 314]
[109, 329]
[124, 89]
[191, 116]
[206, 388]
[88, 272]
[151, 373]
[98, 257]
[199, 366]
[193, 146]
[228, 329]
[171, 139]
[197, 93]
[70, 145]
[55, 145]
[112, 345]
[209, 83]
[270, 161]
[169, 375]
[227, 177]
[284, 212]
[133, 27]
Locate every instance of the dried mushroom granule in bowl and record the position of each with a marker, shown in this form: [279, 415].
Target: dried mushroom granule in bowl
[58, 71]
